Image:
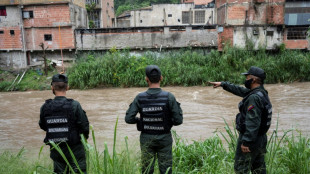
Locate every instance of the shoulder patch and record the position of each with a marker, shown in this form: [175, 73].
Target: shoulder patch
[250, 107]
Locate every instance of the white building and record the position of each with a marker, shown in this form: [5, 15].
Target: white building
[168, 15]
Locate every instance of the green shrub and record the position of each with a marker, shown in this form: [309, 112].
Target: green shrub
[186, 67]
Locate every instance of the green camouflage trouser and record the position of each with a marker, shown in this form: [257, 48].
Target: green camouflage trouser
[60, 166]
[156, 146]
[253, 161]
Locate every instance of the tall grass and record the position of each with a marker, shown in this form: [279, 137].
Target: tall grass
[288, 153]
[102, 162]
[187, 67]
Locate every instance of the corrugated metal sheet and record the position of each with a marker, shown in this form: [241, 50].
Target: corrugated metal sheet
[297, 19]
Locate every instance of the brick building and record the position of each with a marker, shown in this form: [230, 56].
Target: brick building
[102, 16]
[297, 21]
[25, 24]
[252, 24]
[255, 23]
[12, 48]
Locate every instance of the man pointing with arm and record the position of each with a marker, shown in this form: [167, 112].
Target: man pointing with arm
[252, 122]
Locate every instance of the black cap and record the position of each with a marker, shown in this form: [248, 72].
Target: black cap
[60, 78]
[255, 71]
[152, 71]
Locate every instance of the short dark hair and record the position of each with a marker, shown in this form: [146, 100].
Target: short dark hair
[154, 79]
[259, 80]
[60, 86]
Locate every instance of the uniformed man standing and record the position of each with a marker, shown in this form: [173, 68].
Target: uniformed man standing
[252, 122]
[64, 120]
[159, 111]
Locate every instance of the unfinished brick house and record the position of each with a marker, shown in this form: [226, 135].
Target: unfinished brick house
[12, 49]
[28, 23]
[250, 23]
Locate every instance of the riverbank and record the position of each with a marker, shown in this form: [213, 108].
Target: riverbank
[30, 79]
[286, 154]
[185, 67]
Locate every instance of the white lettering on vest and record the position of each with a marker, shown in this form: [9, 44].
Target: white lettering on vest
[58, 129]
[152, 119]
[153, 128]
[58, 139]
[152, 109]
[57, 120]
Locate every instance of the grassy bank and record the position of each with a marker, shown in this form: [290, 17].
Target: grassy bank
[184, 67]
[187, 67]
[286, 154]
[32, 80]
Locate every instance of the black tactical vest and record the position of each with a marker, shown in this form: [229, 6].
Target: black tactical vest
[60, 122]
[266, 114]
[155, 117]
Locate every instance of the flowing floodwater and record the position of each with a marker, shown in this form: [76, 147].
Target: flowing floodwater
[203, 107]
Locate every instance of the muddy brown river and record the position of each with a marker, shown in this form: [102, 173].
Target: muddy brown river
[203, 107]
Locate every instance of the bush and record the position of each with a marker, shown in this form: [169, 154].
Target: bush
[186, 67]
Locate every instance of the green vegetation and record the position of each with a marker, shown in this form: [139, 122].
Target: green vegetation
[33, 79]
[289, 153]
[90, 8]
[125, 5]
[186, 67]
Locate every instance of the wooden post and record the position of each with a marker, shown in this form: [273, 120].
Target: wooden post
[44, 57]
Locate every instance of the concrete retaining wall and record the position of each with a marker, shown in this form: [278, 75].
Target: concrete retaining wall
[139, 38]
[12, 60]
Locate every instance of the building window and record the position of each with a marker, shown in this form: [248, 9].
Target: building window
[269, 33]
[187, 17]
[95, 17]
[200, 17]
[27, 14]
[1, 32]
[169, 15]
[297, 33]
[12, 32]
[48, 37]
[2, 11]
